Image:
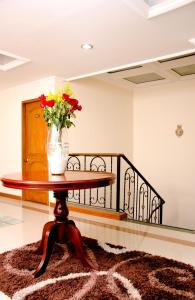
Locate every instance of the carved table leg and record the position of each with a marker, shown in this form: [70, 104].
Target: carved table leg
[45, 229]
[75, 237]
[46, 246]
[59, 231]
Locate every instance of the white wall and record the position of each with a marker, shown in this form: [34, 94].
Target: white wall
[168, 162]
[10, 124]
[104, 124]
[141, 125]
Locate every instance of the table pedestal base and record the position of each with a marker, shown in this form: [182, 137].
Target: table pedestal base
[61, 230]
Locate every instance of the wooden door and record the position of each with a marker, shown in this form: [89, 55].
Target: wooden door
[34, 138]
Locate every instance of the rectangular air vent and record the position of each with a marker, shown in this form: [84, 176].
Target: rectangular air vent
[9, 61]
[185, 70]
[144, 78]
[124, 69]
[4, 59]
[176, 57]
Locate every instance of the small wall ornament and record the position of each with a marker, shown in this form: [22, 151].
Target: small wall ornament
[179, 130]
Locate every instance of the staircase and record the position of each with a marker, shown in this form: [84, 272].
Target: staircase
[131, 193]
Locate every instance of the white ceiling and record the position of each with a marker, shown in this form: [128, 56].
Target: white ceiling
[50, 33]
[167, 70]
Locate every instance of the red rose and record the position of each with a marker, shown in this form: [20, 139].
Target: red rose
[42, 97]
[66, 97]
[76, 107]
[43, 101]
[73, 102]
[50, 103]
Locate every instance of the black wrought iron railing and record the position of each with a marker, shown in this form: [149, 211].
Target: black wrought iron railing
[131, 193]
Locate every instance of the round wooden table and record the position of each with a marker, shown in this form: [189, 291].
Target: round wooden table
[61, 230]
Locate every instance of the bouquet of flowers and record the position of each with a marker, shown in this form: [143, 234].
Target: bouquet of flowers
[59, 107]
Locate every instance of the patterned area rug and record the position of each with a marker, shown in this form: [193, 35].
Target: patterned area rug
[121, 275]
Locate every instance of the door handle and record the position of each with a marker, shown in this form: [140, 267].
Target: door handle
[27, 160]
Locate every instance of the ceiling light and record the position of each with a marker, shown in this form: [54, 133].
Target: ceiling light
[87, 46]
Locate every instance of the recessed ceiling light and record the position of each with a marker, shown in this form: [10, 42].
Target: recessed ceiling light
[87, 46]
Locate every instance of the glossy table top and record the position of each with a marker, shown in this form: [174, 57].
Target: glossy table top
[70, 180]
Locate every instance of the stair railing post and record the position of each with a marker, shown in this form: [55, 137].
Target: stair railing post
[118, 181]
[161, 212]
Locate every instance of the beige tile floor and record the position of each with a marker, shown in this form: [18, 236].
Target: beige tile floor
[24, 222]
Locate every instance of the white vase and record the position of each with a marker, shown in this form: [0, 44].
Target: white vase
[57, 150]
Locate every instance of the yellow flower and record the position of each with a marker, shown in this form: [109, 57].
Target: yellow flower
[50, 96]
[68, 90]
